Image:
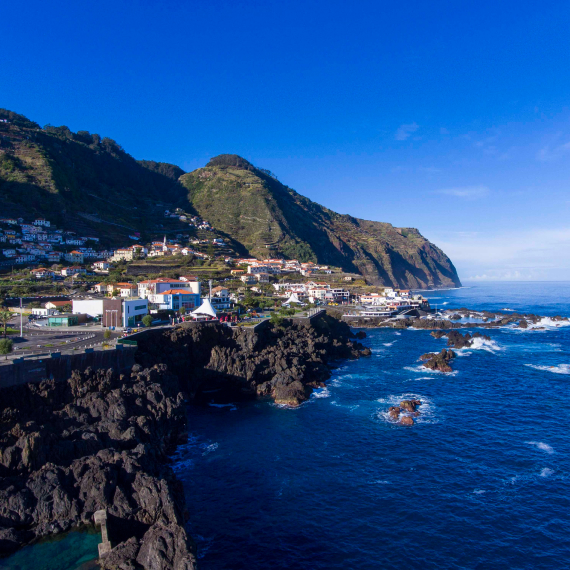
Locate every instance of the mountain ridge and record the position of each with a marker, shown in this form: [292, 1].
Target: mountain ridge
[269, 217]
[88, 183]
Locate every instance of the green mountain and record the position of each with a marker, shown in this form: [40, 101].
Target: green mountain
[269, 218]
[89, 184]
[81, 181]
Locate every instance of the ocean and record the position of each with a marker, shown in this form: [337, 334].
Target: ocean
[480, 481]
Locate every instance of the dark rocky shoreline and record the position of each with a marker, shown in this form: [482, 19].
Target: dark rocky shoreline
[489, 320]
[102, 439]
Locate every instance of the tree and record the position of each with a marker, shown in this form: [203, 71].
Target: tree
[107, 334]
[276, 320]
[211, 252]
[5, 318]
[66, 308]
[147, 320]
[6, 346]
[182, 310]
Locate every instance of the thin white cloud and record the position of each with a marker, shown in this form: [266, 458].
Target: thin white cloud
[533, 254]
[467, 192]
[548, 154]
[404, 131]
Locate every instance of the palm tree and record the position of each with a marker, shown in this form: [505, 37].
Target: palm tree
[5, 318]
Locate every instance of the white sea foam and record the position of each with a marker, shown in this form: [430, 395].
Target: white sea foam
[547, 472]
[542, 446]
[505, 309]
[231, 406]
[422, 369]
[398, 333]
[389, 343]
[479, 492]
[560, 369]
[321, 393]
[208, 448]
[547, 323]
[427, 408]
[484, 344]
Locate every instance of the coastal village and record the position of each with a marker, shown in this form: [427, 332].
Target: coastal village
[77, 265]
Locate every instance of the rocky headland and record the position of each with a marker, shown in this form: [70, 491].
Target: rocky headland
[281, 362]
[102, 439]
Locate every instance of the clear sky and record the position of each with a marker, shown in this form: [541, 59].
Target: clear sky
[452, 117]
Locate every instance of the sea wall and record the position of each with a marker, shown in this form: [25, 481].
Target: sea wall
[59, 367]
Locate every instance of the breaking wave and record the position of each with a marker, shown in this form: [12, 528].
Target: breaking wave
[427, 408]
[560, 369]
[541, 445]
[422, 369]
[484, 344]
[321, 393]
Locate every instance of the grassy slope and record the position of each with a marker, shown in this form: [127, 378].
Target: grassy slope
[81, 182]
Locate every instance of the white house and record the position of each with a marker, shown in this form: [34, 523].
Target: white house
[42, 273]
[220, 298]
[74, 256]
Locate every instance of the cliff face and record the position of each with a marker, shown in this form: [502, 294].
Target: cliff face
[101, 440]
[282, 363]
[268, 218]
[98, 441]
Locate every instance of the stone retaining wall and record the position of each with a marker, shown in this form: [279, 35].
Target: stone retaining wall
[60, 366]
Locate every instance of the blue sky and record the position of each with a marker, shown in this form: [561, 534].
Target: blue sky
[452, 117]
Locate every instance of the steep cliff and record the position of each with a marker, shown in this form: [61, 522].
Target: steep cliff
[269, 218]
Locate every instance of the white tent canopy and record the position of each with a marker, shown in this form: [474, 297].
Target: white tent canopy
[293, 299]
[205, 309]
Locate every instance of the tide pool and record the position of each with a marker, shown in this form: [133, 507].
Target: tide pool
[70, 551]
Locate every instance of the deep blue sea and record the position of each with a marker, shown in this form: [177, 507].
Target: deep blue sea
[480, 481]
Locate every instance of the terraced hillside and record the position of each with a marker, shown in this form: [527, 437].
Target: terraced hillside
[267, 217]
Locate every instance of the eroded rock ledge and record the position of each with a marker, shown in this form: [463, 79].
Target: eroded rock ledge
[284, 363]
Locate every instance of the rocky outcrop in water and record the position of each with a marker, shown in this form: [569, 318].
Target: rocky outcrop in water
[405, 413]
[438, 361]
[457, 340]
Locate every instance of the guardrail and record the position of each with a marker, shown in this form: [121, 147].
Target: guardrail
[127, 342]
